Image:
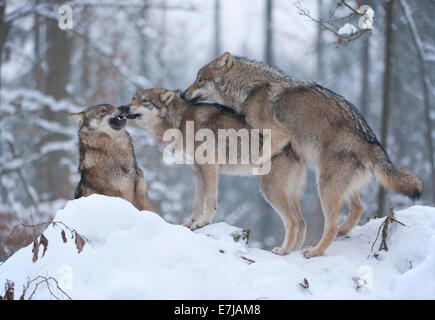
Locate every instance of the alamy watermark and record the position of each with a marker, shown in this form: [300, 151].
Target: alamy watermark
[242, 147]
[65, 20]
[365, 279]
[66, 277]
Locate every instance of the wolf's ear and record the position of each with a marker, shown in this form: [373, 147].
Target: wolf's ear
[77, 117]
[167, 97]
[225, 61]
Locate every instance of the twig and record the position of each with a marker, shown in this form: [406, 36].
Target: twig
[305, 285]
[384, 227]
[250, 261]
[80, 240]
[42, 280]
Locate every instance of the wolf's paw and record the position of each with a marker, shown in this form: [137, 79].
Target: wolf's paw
[309, 252]
[188, 224]
[198, 224]
[279, 251]
[343, 233]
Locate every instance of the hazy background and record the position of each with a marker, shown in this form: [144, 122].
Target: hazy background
[118, 47]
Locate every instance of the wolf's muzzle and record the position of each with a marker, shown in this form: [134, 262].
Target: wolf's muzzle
[124, 109]
[128, 112]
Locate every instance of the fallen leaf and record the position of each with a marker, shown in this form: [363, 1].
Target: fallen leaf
[80, 243]
[35, 250]
[44, 241]
[63, 236]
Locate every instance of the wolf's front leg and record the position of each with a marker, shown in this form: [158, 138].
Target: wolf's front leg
[198, 198]
[210, 177]
[141, 200]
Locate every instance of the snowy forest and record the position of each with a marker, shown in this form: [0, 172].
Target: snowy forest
[110, 49]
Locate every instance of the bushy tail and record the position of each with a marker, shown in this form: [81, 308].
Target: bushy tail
[394, 177]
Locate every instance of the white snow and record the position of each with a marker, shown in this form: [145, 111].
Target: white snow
[347, 29]
[137, 255]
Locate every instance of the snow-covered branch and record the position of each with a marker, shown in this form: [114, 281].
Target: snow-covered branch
[347, 32]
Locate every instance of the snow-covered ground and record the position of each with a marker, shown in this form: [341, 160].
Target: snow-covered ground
[137, 255]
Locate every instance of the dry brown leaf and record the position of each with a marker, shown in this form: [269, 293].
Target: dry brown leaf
[35, 250]
[44, 241]
[63, 236]
[80, 243]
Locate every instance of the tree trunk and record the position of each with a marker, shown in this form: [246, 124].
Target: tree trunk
[320, 66]
[424, 83]
[365, 70]
[55, 179]
[268, 47]
[2, 36]
[38, 71]
[387, 88]
[85, 54]
[217, 29]
[162, 44]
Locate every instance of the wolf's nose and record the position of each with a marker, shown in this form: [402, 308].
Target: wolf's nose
[124, 109]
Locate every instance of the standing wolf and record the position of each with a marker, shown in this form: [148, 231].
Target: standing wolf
[107, 161]
[158, 110]
[321, 126]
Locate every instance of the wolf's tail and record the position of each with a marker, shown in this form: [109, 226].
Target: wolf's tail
[394, 177]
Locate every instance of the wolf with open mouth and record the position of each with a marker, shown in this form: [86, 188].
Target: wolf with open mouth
[107, 162]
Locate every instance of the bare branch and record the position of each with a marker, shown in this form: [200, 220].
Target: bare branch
[331, 24]
[43, 280]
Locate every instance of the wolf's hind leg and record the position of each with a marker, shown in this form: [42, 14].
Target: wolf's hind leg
[355, 212]
[300, 238]
[331, 198]
[198, 198]
[278, 198]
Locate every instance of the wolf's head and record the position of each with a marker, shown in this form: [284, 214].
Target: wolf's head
[212, 81]
[150, 103]
[99, 119]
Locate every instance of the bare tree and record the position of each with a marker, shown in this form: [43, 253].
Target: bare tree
[389, 6]
[365, 71]
[2, 33]
[320, 44]
[425, 83]
[268, 45]
[217, 28]
[58, 61]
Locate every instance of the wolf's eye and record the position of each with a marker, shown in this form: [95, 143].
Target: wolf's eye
[145, 102]
[102, 111]
[200, 80]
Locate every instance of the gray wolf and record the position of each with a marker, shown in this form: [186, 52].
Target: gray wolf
[321, 126]
[107, 161]
[158, 110]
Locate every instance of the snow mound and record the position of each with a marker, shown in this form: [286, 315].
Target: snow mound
[137, 255]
